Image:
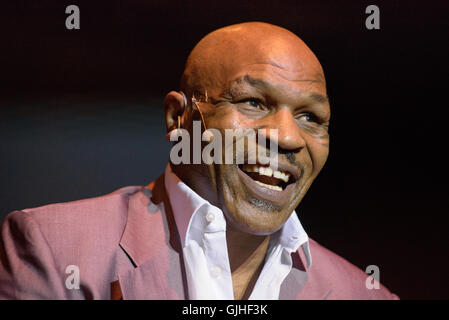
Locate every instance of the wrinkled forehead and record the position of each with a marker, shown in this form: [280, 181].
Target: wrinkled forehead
[286, 53]
[223, 59]
[273, 65]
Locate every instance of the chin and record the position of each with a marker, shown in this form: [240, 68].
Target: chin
[250, 204]
[247, 217]
[254, 215]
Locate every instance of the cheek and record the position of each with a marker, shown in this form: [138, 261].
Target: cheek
[224, 118]
[227, 117]
[319, 152]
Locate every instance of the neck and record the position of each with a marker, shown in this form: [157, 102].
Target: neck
[246, 255]
[198, 177]
[246, 251]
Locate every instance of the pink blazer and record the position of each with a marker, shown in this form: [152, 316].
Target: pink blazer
[125, 246]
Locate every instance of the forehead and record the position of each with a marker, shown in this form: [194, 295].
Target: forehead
[277, 61]
[221, 61]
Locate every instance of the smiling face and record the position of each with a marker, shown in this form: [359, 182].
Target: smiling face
[259, 76]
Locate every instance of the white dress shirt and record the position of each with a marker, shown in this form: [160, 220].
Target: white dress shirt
[202, 229]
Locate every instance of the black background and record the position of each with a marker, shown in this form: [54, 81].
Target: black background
[81, 115]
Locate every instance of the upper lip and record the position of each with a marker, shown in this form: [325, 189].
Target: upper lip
[295, 171]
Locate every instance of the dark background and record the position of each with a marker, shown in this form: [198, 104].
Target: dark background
[81, 115]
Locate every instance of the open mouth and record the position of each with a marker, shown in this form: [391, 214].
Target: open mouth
[266, 177]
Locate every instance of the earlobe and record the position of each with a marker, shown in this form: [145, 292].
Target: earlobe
[174, 132]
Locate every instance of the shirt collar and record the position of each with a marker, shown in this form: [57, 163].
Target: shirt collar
[185, 203]
[292, 235]
[183, 200]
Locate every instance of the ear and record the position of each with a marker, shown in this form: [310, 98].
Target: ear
[174, 106]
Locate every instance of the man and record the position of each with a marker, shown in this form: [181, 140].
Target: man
[202, 231]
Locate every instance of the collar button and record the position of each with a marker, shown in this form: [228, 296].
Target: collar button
[210, 216]
[216, 271]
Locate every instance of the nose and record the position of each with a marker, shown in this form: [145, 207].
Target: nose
[289, 133]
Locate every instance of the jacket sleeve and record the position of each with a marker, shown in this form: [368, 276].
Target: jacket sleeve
[27, 266]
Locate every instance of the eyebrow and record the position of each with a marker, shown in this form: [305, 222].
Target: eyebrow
[260, 83]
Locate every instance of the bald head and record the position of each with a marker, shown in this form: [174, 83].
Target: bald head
[221, 54]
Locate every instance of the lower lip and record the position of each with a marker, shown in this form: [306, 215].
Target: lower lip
[278, 198]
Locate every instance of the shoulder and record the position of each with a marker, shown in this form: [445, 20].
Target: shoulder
[345, 279]
[87, 221]
[37, 245]
[76, 212]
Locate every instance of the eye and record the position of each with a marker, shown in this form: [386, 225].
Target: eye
[308, 117]
[252, 102]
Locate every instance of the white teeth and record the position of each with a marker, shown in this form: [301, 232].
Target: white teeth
[280, 175]
[284, 176]
[266, 171]
[276, 188]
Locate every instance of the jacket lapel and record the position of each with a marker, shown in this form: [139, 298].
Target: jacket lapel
[151, 241]
[313, 288]
[295, 280]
